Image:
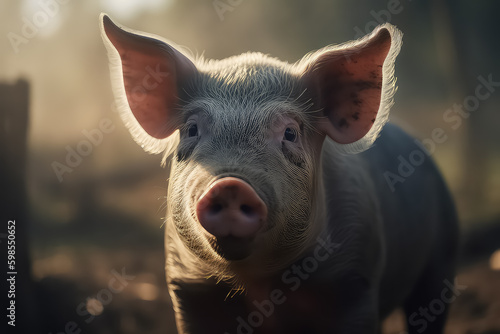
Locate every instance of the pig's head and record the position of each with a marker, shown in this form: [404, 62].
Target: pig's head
[246, 135]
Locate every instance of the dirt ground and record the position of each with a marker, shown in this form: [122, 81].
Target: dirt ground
[476, 310]
[74, 281]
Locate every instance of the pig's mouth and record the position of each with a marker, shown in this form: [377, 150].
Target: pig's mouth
[232, 248]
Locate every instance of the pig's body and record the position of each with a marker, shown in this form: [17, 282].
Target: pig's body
[384, 245]
[274, 224]
[420, 225]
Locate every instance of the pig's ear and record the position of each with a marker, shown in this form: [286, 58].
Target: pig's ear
[147, 76]
[354, 85]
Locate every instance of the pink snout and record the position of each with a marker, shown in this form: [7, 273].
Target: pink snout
[231, 207]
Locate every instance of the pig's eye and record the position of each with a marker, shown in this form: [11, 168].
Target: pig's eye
[193, 130]
[290, 134]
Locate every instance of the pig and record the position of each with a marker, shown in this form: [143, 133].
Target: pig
[280, 215]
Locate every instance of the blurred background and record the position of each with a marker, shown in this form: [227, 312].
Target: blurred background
[89, 203]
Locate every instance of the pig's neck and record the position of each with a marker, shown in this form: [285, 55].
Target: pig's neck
[352, 214]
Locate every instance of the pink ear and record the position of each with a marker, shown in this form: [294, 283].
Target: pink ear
[349, 84]
[153, 73]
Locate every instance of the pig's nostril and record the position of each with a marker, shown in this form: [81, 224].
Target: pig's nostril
[215, 208]
[246, 209]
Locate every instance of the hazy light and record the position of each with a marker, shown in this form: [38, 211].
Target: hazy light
[146, 291]
[44, 16]
[495, 260]
[127, 9]
[58, 264]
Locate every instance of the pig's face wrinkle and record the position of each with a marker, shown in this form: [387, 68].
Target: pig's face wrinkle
[273, 167]
[241, 114]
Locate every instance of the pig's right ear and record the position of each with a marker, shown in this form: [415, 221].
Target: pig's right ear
[147, 75]
[353, 85]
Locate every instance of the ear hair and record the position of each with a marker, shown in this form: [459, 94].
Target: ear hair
[146, 141]
[309, 63]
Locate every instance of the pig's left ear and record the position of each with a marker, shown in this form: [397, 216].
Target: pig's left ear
[148, 76]
[353, 85]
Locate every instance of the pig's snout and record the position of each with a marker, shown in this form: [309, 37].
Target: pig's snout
[231, 207]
